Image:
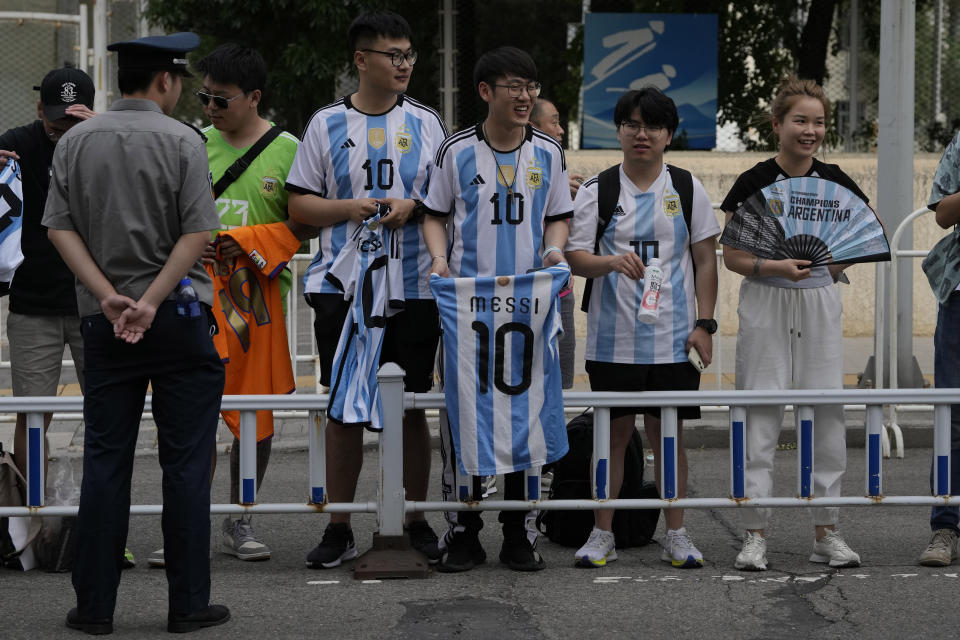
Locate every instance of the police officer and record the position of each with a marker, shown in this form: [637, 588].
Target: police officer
[130, 210]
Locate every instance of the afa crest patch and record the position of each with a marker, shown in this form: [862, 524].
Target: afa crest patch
[534, 176]
[404, 139]
[269, 187]
[258, 259]
[775, 207]
[671, 205]
[377, 137]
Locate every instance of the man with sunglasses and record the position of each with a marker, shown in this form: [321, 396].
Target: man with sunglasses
[373, 148]
[500, 200]
[234, 77]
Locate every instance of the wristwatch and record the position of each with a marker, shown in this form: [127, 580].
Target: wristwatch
[710, 326]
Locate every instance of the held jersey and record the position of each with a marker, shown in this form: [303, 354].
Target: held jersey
[370, 276]
[349, 154]
[252, 340]
[258, 196]
[651, 224]
[499, 202]
[501, 369]
[11, 219]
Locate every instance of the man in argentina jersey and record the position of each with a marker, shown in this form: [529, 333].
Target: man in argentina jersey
[375, 146]
[502, 369]
[498, 205]
[623, 353]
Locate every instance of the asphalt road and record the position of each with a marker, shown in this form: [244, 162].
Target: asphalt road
[636, 596]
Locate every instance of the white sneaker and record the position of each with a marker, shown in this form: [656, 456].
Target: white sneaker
[598, 550]
[679, 551]
[240, 541]
[831, 549]
[156, 559]
[753, 555]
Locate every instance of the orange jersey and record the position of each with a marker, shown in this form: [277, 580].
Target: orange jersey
[248, 305]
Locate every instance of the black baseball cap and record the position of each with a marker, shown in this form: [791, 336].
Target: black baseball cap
[157, 53]
[62, 88]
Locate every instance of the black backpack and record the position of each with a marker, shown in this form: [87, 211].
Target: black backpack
[571, 480]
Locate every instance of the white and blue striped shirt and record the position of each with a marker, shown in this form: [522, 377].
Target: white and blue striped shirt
[501, 369]
[11, 219]
[348, 154]
[500, 201]
[650, 223]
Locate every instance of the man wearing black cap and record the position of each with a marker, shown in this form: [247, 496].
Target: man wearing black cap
[43, 305]
[130, 209]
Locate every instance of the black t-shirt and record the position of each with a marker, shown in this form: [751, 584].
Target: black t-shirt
[42, 285]
[767, 172]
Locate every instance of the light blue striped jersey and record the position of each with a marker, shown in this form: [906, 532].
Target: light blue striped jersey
[11, 219]
[348, 154]
[498, 213]
[501, 369]
[651, 224]
[365, 273]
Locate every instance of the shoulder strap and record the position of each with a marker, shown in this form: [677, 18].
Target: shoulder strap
[683, 183]
[235, 170]
[608, 192]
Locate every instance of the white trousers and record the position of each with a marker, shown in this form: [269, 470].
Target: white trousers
[791, 339]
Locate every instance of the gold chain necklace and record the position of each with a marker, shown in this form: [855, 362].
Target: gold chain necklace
[516, 165]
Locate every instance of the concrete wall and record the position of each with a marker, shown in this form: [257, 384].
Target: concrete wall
[718, 171]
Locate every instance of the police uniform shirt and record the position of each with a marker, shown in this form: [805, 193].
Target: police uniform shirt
[500, 202]
[650, 223]
[347, 154]
[44, 286]
[766, 173]
[116, 180]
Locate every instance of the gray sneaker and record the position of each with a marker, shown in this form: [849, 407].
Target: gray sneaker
[240, 541]
[156, 559]
[942, 550]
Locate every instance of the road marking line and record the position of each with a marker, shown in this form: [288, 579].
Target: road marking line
[323, 582]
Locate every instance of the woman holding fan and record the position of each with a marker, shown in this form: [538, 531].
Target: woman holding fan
[790, 334]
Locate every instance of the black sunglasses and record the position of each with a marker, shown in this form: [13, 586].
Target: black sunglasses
[219, 101]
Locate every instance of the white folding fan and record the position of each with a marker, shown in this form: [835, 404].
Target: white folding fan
[808, 219]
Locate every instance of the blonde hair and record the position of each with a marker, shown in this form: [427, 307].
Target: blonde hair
[792, 88]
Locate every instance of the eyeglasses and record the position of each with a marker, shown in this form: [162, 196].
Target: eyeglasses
[516, 90]
[633, 128]
[219, 101]
[397, 57]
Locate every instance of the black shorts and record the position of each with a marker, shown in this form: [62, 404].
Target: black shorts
[614, 376]
[410, 338]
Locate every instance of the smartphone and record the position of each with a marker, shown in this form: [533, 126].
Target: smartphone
[694, 357]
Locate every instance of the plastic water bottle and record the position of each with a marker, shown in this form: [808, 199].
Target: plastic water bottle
[188, 306]
[650, 300]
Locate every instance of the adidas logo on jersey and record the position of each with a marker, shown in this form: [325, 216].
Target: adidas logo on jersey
[477, 180]
[619, 211]
[348, 144]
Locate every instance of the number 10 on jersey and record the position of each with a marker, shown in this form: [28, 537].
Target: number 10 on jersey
[520, 355]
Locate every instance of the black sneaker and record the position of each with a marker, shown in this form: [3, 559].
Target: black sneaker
[518, 554]
[424, 540]
[463, 553]
[335, 547]
[92, 626]
[213, 615]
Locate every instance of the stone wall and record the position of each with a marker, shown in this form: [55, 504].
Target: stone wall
[717, 172]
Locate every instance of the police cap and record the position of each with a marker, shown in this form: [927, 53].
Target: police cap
[156, 53]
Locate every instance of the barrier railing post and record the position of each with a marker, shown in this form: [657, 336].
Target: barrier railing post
[941, 449]
[532, 478]
[738, 451]
[248, 457]
[874, 450]
[804, 450]
[600, 463]
[317, 453]
[668, 452]
[35, 480]
[391, 555]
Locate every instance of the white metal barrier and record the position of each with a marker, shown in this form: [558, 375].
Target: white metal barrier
[391, 505]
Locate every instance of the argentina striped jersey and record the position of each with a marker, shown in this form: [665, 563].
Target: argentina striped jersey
[501, 369]
[499, 202]
[651, 224]
[11, 219]
[348, 154]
